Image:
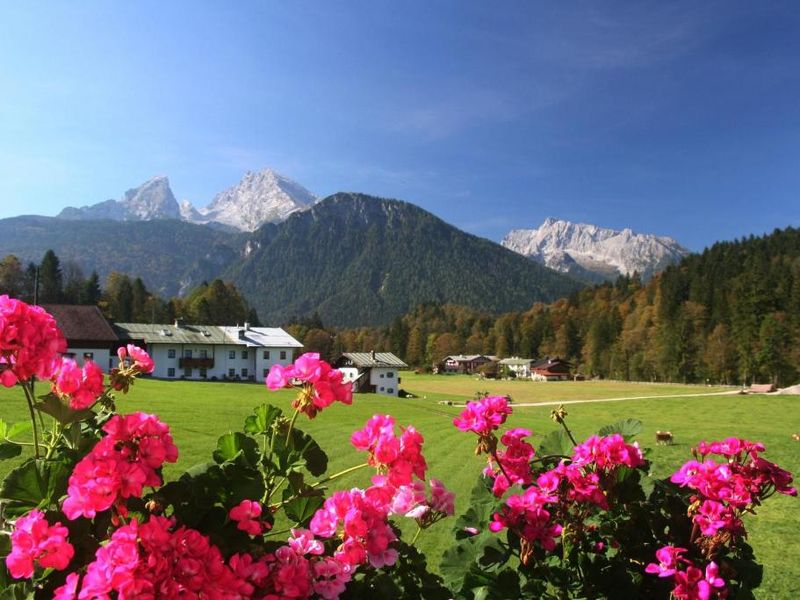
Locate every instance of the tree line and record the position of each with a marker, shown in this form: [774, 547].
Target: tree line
[730, 315]
[122, 298]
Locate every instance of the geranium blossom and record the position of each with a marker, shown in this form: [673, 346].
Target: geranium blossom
[483, 416]
[119, 465]
[34, 542]
[320, 385]
[30, 342]
[246, 514]
[398, 457]
[80, 386]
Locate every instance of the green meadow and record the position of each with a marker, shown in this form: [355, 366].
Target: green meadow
[198, 413]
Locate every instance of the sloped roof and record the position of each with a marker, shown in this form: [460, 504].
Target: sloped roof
[170, 334]
[516, 361]
[82, 322]
[261, 337]
[375, 359]
[544, 363]
[466, 357]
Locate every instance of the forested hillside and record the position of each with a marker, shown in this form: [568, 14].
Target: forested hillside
[360, 260]
[730, 314]
[170, 256]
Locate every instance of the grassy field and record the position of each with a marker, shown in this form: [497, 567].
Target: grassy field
[199, 412]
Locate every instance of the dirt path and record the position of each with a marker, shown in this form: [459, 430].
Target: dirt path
[557, 402]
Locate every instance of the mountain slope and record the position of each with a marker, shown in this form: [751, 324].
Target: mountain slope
[170, 256]
[360, 260]
[151, 200]
[594, 253]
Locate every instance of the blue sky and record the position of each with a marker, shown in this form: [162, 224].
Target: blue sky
[680, 119]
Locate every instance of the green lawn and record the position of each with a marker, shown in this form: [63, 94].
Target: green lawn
[199, 412]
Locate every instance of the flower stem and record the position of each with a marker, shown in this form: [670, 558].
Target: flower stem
[502, 470]
[29, 398]
[416, 535]
[339, 474]
[291, 425]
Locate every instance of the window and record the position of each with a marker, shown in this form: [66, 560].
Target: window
[203, 373]
[187, 353]
[231, 373]
[382, 388]
[187, 373]
[171, 372]
[266, 372]
[69, 355]
[171, 353]
[203, 353]
[89, 355]
[390, 374]
[381, 375]
[390, 391]
[244, 373]
[232, 354]
[266, 354]
[283, 354]
[244, 353]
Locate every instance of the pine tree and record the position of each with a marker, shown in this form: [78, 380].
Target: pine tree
[50, 279]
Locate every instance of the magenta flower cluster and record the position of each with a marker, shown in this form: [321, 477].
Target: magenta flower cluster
[120, 465]
[690, 582]
[322, 384]
[726, 490]
[80, 386]
[30, 342]
[36, 543]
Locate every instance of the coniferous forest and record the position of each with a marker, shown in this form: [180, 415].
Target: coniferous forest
[730, 315]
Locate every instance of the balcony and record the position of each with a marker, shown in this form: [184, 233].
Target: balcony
[196, 363]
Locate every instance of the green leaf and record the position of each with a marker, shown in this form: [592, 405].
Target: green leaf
[555, 443]
[53, 405]
[18, 591]
[260, 422]
[17, 428]
[627, 428]
[231, 444]
[3, 429]
[303, 451]
[302, 508]
[9, 450]
[34, 484]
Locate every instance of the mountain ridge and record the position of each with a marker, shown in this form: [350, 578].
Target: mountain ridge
[594, 253]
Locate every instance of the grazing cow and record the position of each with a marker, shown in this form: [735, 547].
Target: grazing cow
[663, 437]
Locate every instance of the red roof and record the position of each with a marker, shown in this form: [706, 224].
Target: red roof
[81, 323]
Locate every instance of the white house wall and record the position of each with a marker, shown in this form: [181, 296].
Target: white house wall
[245, 363]
[101, 356]
[385, 380]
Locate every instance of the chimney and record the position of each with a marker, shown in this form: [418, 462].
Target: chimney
[241, 334]
[178, 323]
[372, 355]
[246, 326]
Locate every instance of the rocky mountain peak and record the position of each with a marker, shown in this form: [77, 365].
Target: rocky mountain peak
[260, 197]
[151, 200]
[594, 253]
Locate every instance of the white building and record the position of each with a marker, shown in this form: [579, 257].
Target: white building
[521, 367]
[210, 352]
[376, 372]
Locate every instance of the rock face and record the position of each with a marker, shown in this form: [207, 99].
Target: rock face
[151, 200]
[259, 198]
[594, 253]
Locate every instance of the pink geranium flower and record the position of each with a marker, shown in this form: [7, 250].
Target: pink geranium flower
[34, 542]
[246, 514]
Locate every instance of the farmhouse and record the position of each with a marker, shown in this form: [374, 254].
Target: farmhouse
[375, 372]
[551, 369]
[183, 351]
[521, 367]
[460, 363]
[89, 335]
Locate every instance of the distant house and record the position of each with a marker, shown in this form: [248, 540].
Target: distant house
[375, 372]
[89, 335]
[183, 351]
[464, 363]
[521, 367]
[551, 369]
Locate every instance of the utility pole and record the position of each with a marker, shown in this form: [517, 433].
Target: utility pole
[36, 288]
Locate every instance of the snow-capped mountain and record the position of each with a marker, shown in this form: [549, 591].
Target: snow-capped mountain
[594, 253]
[151, 200]
[260, 197]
